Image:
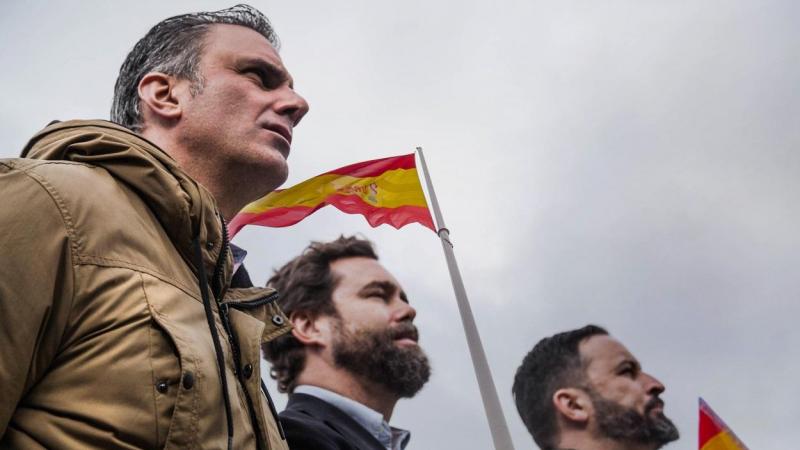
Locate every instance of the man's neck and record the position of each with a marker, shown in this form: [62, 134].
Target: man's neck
[346, 384]
[227, 194]
[584, 442]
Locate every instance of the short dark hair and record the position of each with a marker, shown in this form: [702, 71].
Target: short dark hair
[174, 46]
[553, 364]
[305, 284]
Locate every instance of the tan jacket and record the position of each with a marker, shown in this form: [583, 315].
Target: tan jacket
[104, 340]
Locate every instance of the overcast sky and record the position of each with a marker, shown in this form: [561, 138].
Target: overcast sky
[628, 163]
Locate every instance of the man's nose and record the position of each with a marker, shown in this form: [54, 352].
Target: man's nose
[292, 105]
[652, 385]
[405, 312]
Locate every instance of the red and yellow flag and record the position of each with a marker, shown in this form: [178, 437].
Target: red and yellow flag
[714, 434]
[382, 190]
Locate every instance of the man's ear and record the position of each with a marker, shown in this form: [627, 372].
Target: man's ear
[309, 330]
[573, 404]
[157, 94]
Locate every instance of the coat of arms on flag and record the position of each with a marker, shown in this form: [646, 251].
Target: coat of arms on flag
[383, 190]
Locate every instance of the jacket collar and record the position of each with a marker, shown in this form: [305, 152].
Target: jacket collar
[367, 417]
[184, 208]
[334, 418]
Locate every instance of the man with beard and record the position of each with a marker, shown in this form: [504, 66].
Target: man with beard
[352, 353]
[583, 390]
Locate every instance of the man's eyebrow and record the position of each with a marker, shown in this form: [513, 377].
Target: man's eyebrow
[387, 287]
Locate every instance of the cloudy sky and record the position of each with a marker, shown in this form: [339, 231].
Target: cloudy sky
[628, 163]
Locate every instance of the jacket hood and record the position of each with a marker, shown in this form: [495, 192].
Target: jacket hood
[184, 208]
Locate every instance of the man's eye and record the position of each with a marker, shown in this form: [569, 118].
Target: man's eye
[260, 76]
[379, 294]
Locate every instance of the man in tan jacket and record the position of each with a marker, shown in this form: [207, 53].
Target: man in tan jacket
[119, 324]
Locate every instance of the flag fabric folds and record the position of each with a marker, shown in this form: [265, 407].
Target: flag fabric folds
[714, 434]
[383, 190]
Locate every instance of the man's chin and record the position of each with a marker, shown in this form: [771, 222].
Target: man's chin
[399, 366]
[627, 424]
[267, 173]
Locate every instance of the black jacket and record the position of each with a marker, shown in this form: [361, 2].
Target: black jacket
[314, 424]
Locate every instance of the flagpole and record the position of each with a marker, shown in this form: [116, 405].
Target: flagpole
[491, 403]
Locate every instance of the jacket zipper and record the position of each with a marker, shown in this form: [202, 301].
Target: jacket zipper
[217, 283]
[226, 324]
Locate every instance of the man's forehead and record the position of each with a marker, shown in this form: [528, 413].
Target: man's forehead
[237, 41]
[359, 271]
[603, 352]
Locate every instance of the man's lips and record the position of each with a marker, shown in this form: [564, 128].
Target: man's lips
[406, 335]
[281, 130]
[654, 404]
[406, 341]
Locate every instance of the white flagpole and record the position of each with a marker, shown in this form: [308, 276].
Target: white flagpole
[491, 403]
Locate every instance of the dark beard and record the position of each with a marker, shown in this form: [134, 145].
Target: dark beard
[623, 424]
[373, 355]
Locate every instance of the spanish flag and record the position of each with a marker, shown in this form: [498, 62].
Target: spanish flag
[382, 190]
[714, 434]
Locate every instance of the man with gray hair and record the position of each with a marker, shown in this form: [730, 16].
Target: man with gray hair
[126, 320]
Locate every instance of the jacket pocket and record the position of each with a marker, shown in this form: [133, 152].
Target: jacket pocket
[260, 304]
[188, 400]
[166, 368]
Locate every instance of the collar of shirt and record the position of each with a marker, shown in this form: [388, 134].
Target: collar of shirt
[238, 256]
[392, 438]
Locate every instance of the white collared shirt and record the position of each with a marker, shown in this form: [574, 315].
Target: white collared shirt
[390, 437]
[238, 256]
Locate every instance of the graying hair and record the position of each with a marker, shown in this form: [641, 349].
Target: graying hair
[174, 47]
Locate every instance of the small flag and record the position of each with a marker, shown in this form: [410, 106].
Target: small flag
[714, 434]
[382, 190]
